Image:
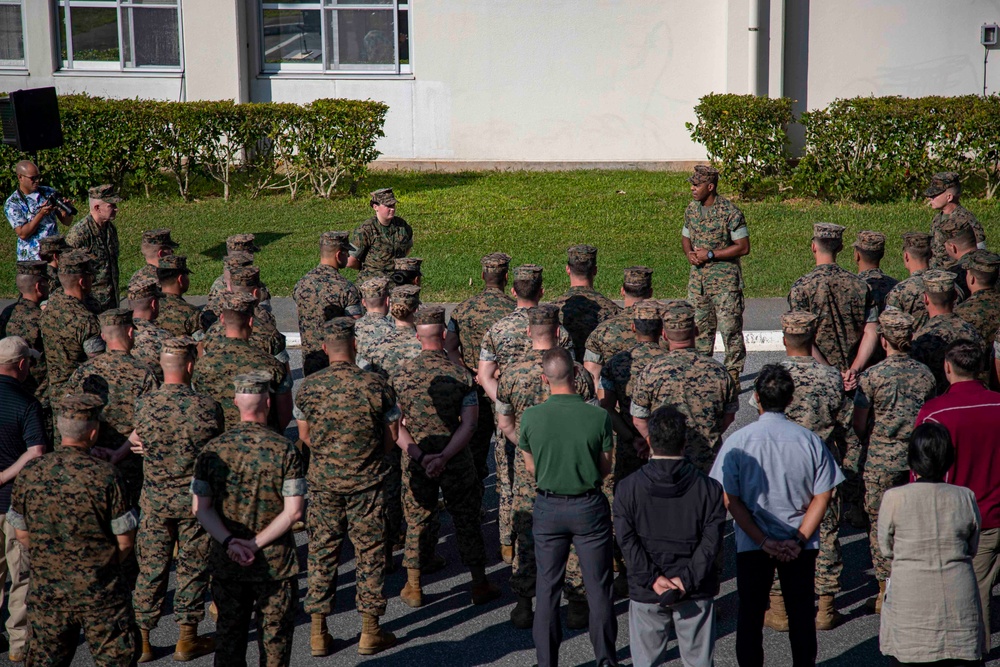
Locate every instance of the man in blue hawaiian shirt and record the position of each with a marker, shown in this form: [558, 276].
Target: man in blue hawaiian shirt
[28, 213]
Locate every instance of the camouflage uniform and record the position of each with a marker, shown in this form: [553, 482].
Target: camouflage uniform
[583, 308]
[520, 388]
[23, 318]
[982, 308]
[178, 317]
[930, 341]
[432, 392]
[247, 472]
[101, 243]
[347, 411]
[50, 248]
[174, 423]
[908, 296]
[147, 343]
[377, 245]
[940, 259]
[371, 330]
[715, 288]
[145, 273]
[76, 578]
[880, 285]
[264, 336]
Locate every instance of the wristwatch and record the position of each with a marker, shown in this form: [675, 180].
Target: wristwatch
[711, 255]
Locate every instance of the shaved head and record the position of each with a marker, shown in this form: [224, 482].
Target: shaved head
[557, 366]
[26, 284]
[26, 168]
[175, 363]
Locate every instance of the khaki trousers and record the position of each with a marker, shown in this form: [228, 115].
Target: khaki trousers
[14, 565]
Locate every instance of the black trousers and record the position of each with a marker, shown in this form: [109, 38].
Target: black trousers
[754, 575]
[585, 522]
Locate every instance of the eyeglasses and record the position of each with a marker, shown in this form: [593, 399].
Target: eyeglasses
[33, 179]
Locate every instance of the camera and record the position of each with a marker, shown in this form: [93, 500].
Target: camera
[56, 201]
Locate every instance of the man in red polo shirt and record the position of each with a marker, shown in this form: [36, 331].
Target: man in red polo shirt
[971, 413]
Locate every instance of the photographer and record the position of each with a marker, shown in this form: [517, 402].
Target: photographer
[33, 210]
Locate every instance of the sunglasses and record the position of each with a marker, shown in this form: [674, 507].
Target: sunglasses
[33, 179]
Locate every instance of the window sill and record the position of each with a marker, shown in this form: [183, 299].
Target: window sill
[136, 74]
[327, 76]
[14, 71]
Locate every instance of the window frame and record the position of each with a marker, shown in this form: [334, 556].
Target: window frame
[328, 66]
[120, 7]
[23, 62]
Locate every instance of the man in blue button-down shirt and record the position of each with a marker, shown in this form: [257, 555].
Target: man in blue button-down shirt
[28, 213]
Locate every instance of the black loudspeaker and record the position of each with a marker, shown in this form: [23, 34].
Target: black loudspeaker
[31, 119]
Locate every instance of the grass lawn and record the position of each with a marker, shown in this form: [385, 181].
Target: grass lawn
[632, 217]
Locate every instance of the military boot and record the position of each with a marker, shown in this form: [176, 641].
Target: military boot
[507, 553]
[828, 617]
[412, 594]
[776, 618]
[521, 616]
[875, 604]
[373, 638]
[190, 645]
[436, 564]
[482, 590]
[147, 648]
[320, 641]
[577, 615]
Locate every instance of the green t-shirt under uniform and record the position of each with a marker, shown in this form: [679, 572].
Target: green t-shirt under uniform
[565, 436]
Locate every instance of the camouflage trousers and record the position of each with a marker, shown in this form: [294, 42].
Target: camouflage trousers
[524, 570]
[505, 453]
[722, 311]
[111, 634]
[154, 548]
[853, 459]
[876, 484]
[332, 518]
[463, 497]
[271, 603]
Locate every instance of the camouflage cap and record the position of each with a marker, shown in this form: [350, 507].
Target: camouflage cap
[639, 277]
[375, 288]
[339, 240]
[581, 254]
[953, 226]
[52, 245]
[677, 315]
[15, 348]
[429, 315]
[941, 182]
[983, 261]
[254, 382]
[179, 346]
[241, 243]
[238, 302]
[798, 323]
[236, 259]
[938, 282]
[32, 267]
[647, 310]
[870, 241]
[143, 288]
[245, 276]
[916, 240]
[408, 295]
[408, 264]
[116, 317]
[385, 197]
[76, 262]
[703, 173]
[160, 237]
[828, 230]
[897, 326]
[80, 407]
[105, 193]
[172, 265]
[339, 328]
[495, 262]
[528, 272]
[544, 313]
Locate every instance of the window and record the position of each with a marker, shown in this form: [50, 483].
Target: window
[11, 34]
[340, 36]
[120, 34]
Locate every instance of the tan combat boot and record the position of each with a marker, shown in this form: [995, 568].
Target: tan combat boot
[320, 641]
[521, 616]
[507, 553]
[875, 604]
[577, 615]
[373, 638]
[828, 617]
[776, 618]
[147, 648]
[412, 594]
[190, 645]
[213, 612]
[482, 590]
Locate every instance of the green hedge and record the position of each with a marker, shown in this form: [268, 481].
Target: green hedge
[863, 149]
[135, 144]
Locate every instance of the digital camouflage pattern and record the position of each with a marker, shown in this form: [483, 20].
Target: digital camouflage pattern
[507, 341]
[581, 310]
[432, 392]
[982, 311]
[842, 302]
[930, 341]
[471, 319]
[370, 330]
[377, 245]
[69, 330]
[147, 341]
[700, 387]
[248, 471]
[876, 484]
[939, 256]
[321, 295]
[271, 605]
[880, 285]
[223, 361]
[264, 335]
[177, 316]
[908, 296]
[147, 272]
[611, 337]
[154, 548]
[715, 289]
[101, 243]
[24, 318]
[111, 635]
[397, 347]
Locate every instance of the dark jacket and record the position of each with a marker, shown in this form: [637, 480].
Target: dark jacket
[669, 520]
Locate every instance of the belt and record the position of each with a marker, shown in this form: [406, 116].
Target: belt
[564, 496]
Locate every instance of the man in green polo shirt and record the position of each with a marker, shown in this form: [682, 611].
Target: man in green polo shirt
[567, 447]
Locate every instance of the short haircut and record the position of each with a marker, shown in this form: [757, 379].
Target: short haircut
[799, 341]
[495, 279]
[680, 335]
[872, 256]
[942, 299]
[75, 429]
[964, 238]
[638, 292]
[530, 289]
[920, 253]
[652, 328]
[987, 279]
[26, 284]
[832, 246]
[965, 357]
[235, 317]
[585, 268]
[930, 452]
[667, 431]
[557, 365]
[144, 304]
[774, 387]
